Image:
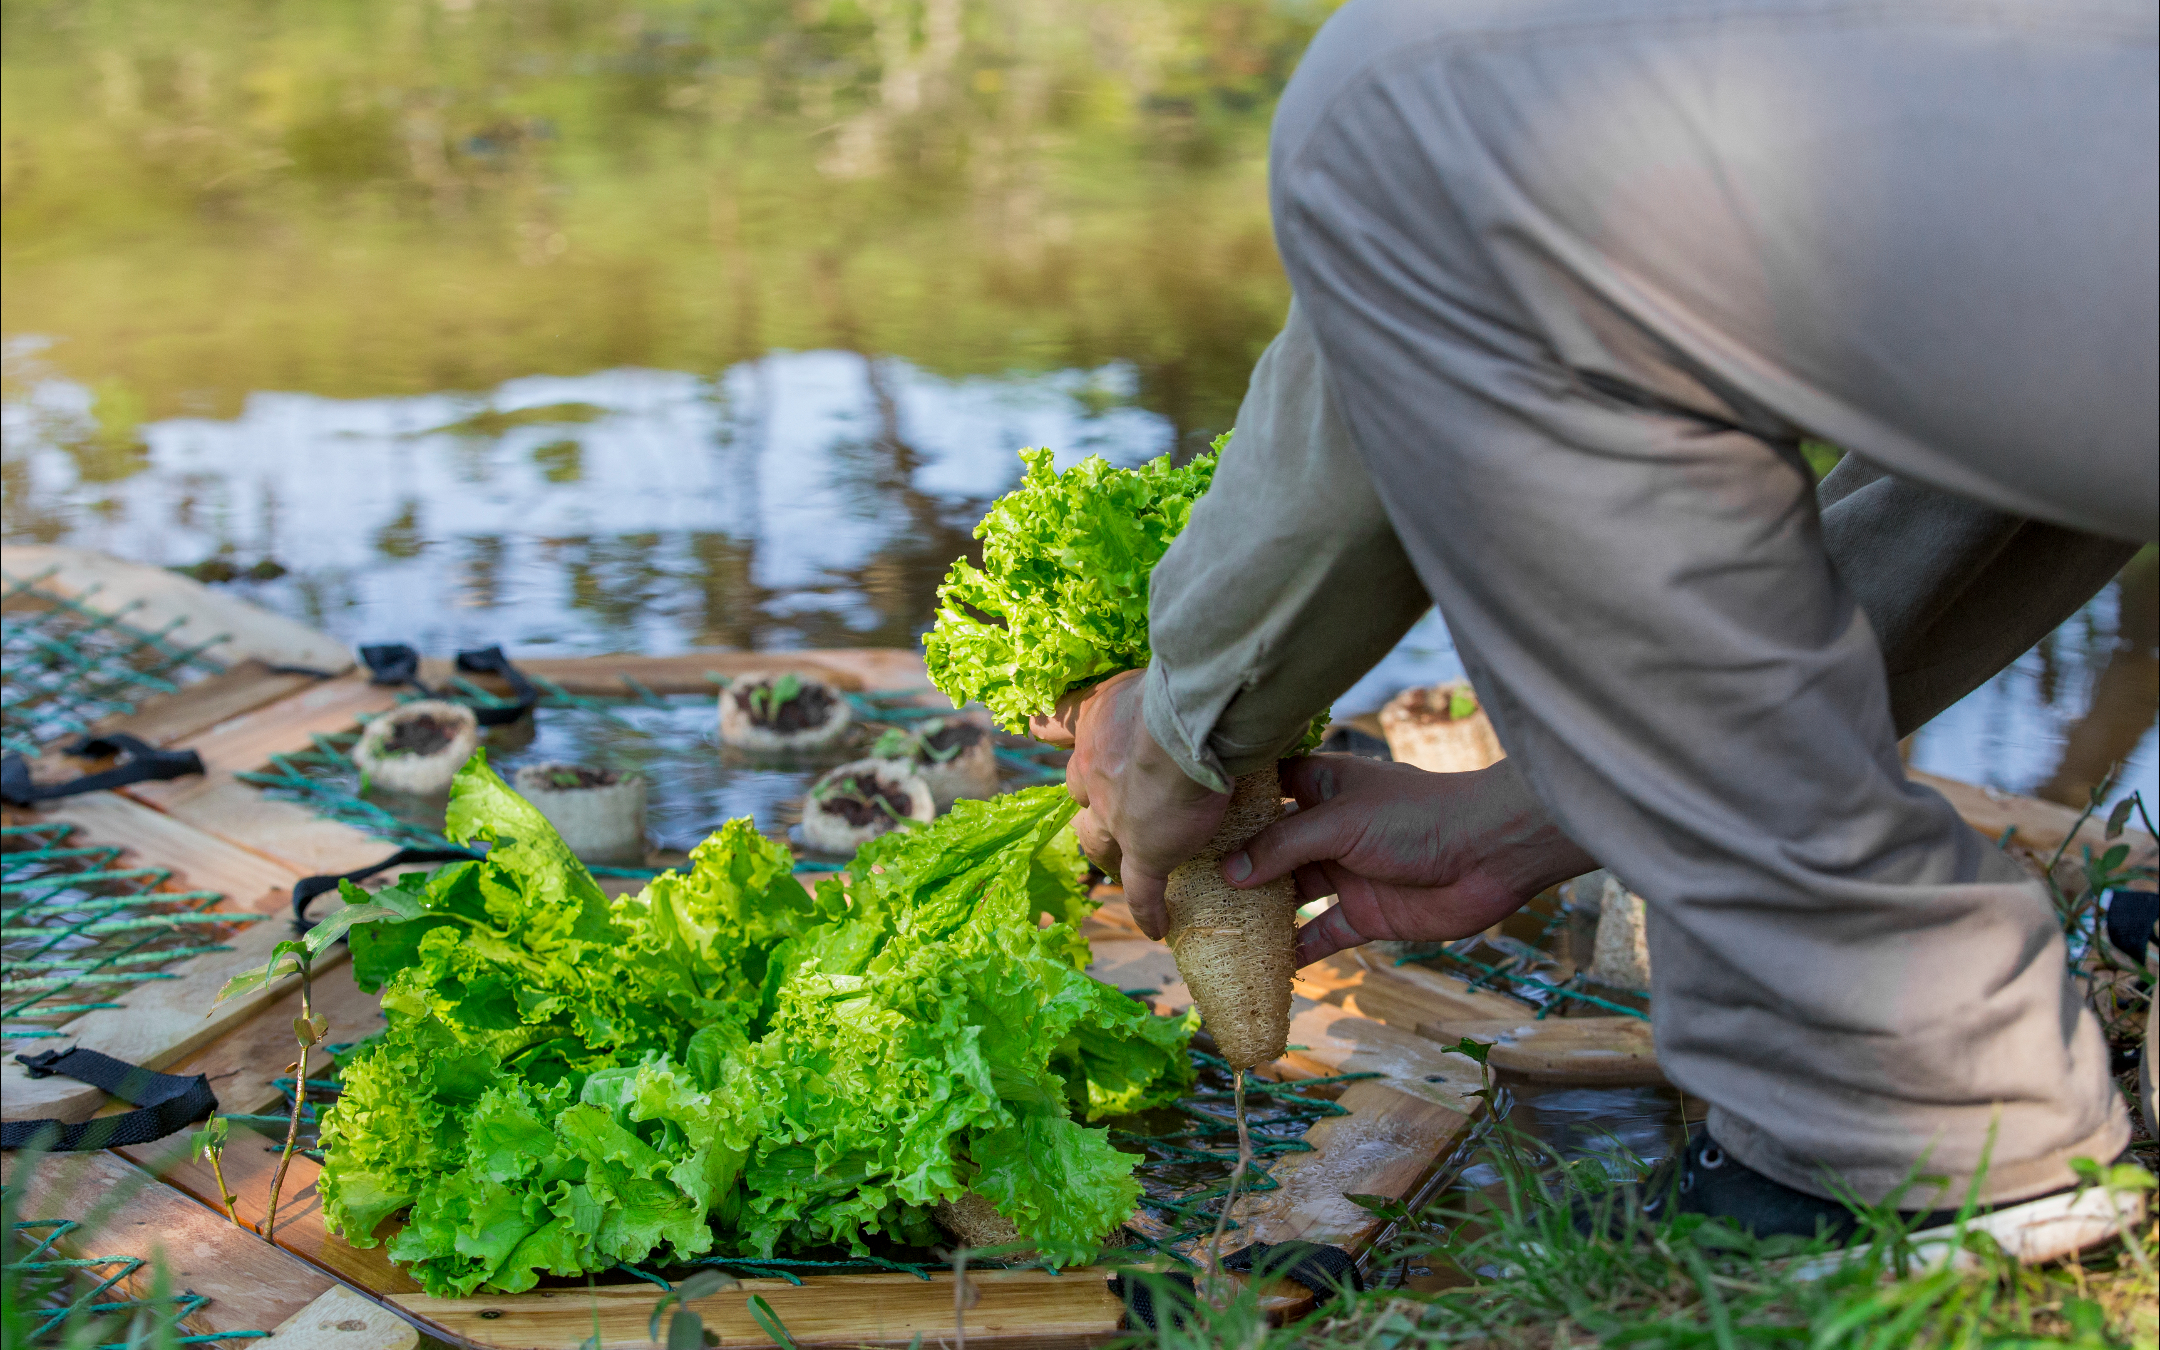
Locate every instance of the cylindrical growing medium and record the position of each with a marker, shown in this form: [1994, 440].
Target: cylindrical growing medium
[859, 801]
[600, 813]
[417, 747]
[1237, 950]
[780, 713]
[1442, 729]
[956, 756]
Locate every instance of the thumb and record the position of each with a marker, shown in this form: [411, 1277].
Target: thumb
[1060, 727]
[1318, 833]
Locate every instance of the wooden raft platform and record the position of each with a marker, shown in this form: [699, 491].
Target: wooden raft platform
[216, 832]
[1353, 1014]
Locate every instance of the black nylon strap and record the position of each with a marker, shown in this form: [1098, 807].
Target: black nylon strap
[393, 663]
[1322, 1268]
[1141, 1307]
[165, 1103]
[2130, 919]
[142, 763]
[396, 663]
[307, 888]
[491, 661]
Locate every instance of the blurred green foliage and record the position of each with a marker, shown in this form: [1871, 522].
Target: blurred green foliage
[356, 199]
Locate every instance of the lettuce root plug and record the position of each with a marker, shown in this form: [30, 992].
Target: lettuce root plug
[1237, 949]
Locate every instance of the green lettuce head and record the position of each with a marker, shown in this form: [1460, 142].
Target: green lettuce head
[1061, 600]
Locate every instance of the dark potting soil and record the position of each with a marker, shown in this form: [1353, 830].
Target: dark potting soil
[807, 709]
[950, 739]
[418, 735]
[565, 777]
[858, 804]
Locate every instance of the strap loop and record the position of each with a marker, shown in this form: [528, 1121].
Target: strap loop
[396, 663]
[1320, 1267]
[307, 888]
[2131, 916]
[166, 1103]
[1160, 1298]
[141, 763]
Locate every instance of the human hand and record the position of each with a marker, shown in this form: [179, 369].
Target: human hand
[1142, 815]
[1411, 855]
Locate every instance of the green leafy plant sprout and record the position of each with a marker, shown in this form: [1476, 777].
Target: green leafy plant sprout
[208, 1143]
[767, 699]
[769, 1322]
[850, 789]
[894, 743]
[686, 1329]
[297, 957]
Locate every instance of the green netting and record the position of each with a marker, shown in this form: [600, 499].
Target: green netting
[77, 931]
[82, 1301]
[1516, 972]
[65, 665]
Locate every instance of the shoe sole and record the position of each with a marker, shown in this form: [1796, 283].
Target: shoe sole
[2033, 1233]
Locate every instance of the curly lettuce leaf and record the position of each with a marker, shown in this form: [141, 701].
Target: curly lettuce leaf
[1061, 599]
[729, 1061]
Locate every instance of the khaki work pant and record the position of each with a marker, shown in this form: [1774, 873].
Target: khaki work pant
[1573, 279]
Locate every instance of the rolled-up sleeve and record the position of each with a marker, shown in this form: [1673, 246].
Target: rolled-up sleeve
[1287, 585]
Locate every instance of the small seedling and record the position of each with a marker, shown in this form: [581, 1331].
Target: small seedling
[766, 699]
[209, 1143]
[297, 957]
[686, 1329]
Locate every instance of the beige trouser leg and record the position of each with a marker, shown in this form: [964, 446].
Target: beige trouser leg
[1578, 275]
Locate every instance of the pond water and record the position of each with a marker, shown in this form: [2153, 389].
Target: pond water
[606, 326]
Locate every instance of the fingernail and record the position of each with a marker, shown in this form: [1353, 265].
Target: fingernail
[1237, 867]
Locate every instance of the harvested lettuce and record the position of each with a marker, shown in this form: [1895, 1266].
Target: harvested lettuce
[1061, 600]
[730, 1063]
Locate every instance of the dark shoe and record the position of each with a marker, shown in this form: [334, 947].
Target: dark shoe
[1705, 1179]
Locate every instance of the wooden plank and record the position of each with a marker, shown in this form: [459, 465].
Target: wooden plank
[1014, 1308]
[167, 718]
[1141, 963]
[2041, 826]
[1588, 1050]
[1113, 919]
[287, 832]
[243, 1062]
[342, 1320]
[888, 669]
[199, 861]
[125, 1212]
[1402, 996]
[246, 742]
[1326, 1040]
[250, 1161]
[885, 669]
[154, 597]
[1389, 1145]
[158, 1023]
[687, 673]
